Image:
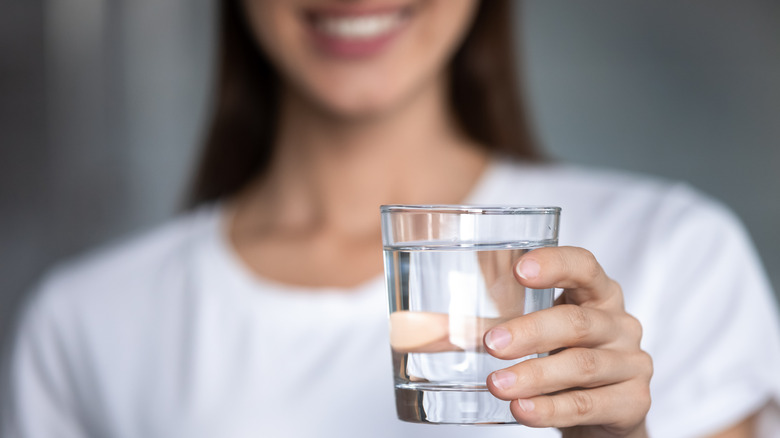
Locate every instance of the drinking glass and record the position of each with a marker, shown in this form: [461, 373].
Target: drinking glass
[449, 277]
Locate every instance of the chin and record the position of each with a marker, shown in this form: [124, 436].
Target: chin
[359, 59]
[363, 110]
[357, 107]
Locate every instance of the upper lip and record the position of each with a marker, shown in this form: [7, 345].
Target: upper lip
[345, 11]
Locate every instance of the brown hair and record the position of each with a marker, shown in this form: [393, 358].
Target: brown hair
[239, 145]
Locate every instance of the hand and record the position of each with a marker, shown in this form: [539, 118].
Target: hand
[597, 381]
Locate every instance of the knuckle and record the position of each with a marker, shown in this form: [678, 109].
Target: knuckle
[579, 321]
[591, 267]
[642, 398]
[617, 291]
[633, 327]
[583, 402]
[646, 365]
[646, 401]
[530, 330]
[556, 255]
[531, 377]
[536, 375]
[587, 362]
[552, 408]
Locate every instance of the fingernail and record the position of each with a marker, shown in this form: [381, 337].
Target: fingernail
[528, 269]
[503, 379]
[498, 338]
[525, 405]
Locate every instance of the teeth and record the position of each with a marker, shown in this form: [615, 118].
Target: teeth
[366, 26]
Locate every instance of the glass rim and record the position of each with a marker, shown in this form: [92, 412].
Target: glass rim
[469, 209]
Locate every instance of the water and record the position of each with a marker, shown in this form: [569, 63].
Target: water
[442, 301]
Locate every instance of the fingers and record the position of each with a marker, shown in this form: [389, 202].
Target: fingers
[571, 268]
[562, 326]
[617, 409]
[600, 378]
[571, 368]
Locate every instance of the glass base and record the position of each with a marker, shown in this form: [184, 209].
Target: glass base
[451, 406]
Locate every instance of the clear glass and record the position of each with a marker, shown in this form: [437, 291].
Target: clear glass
[449, 277]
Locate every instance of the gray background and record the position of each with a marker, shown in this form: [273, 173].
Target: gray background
[102, 106]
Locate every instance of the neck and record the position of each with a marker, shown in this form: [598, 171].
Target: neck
[333, 172]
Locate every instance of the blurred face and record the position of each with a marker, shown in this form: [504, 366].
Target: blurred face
[357, 58]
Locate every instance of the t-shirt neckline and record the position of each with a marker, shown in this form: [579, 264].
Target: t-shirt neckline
[233, 265]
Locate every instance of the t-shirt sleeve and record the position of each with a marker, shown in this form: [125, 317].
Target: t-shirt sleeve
[41, 398]
[716, 337]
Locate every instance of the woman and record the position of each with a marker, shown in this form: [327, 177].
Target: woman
[261, 313]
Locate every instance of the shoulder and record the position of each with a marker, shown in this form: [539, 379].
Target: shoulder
[598, 197]
[642, 229]
[592, 185]
[129, 269]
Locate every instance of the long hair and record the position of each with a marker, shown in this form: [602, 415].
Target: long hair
[239, 145]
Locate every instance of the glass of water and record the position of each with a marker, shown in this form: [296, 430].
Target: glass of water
[449, 277]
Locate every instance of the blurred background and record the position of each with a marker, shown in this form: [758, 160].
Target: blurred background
[103, 105]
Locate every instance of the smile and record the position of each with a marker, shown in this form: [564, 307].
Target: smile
[360, 27]
[353, 33]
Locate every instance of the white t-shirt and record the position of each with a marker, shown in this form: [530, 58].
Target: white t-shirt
[170, 335]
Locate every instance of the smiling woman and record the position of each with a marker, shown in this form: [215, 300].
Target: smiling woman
[261, 311]
[360, 58]
[480, 81]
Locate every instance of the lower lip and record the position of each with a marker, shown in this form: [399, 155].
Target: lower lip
[353, 48]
